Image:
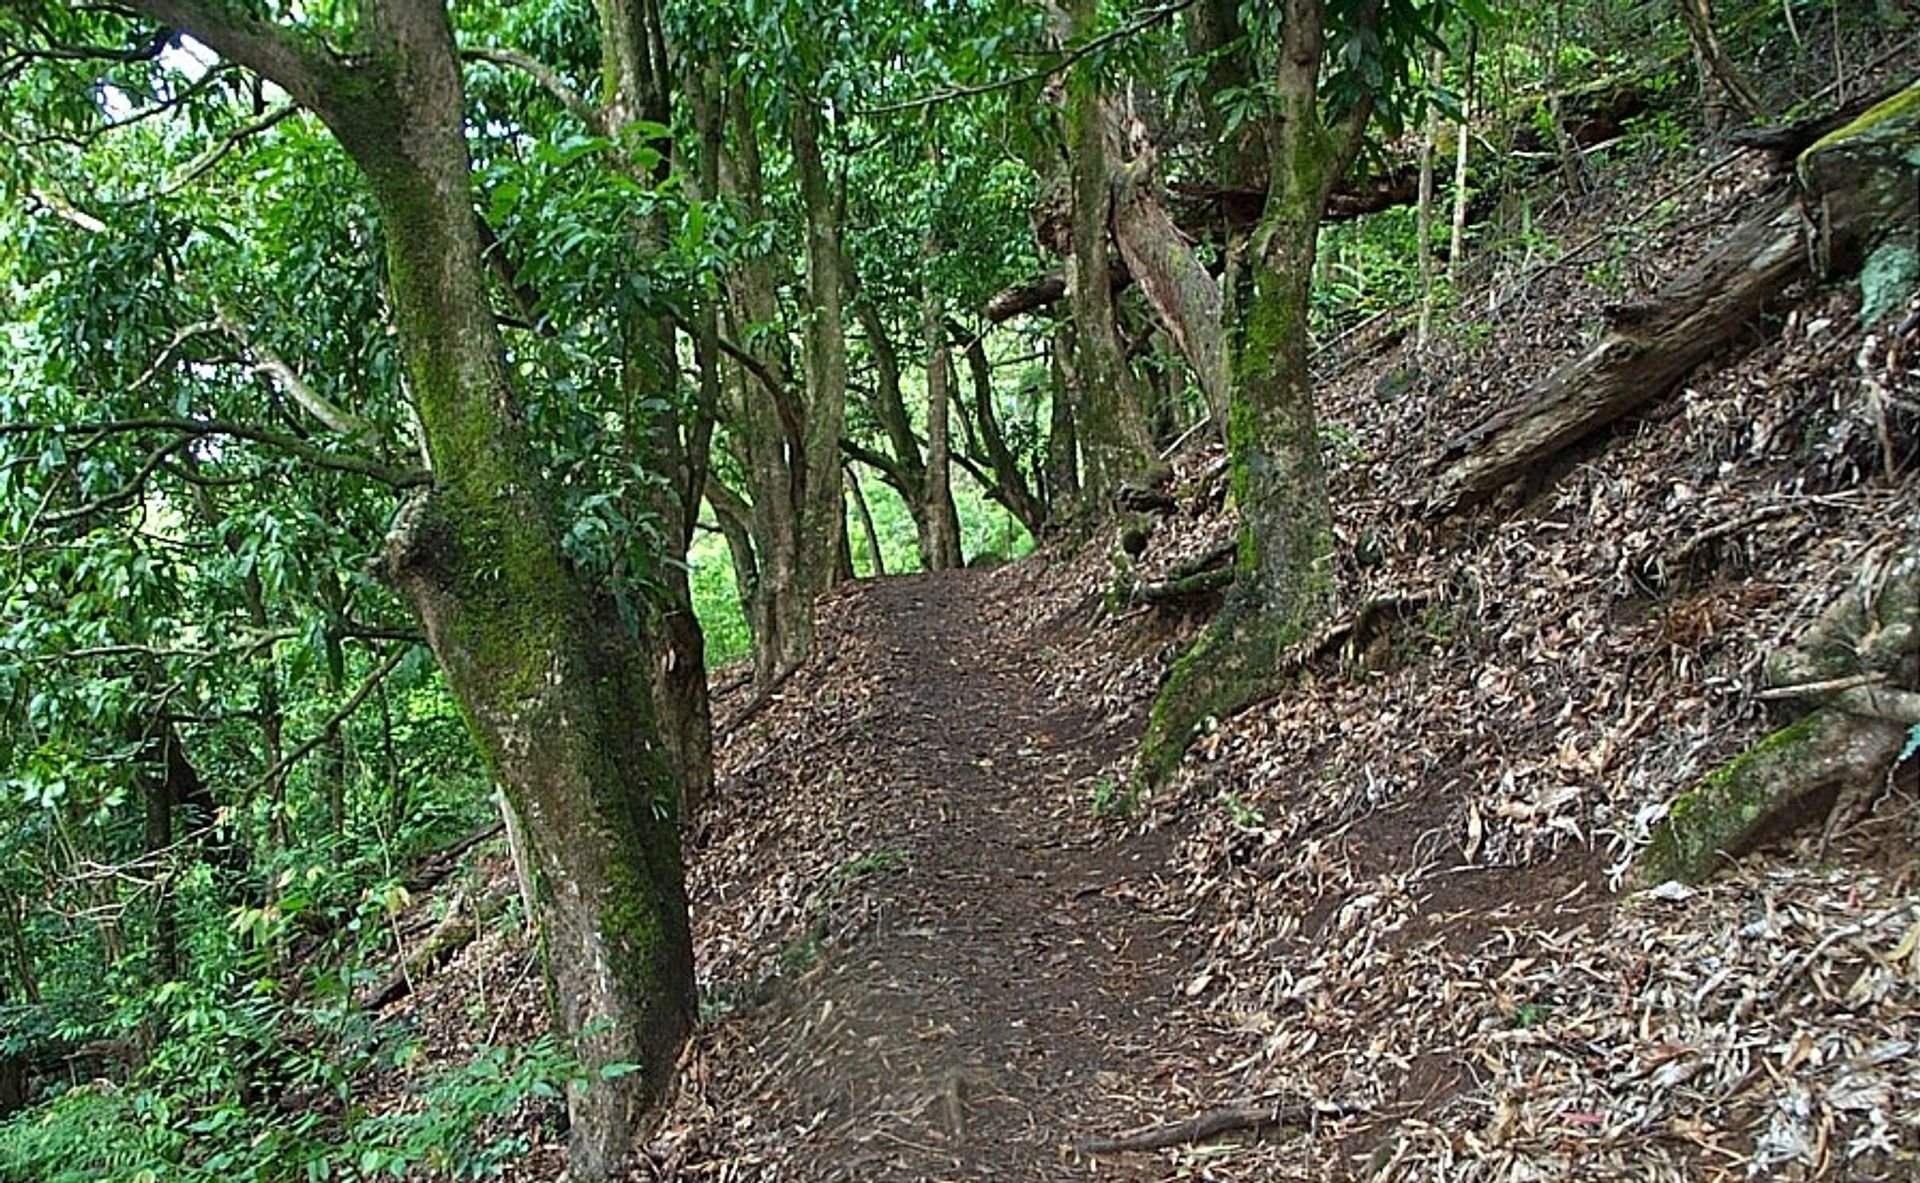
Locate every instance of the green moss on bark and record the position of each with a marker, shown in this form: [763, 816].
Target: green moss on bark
[1719, 817]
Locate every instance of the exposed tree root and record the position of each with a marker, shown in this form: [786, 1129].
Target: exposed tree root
[1856, 667]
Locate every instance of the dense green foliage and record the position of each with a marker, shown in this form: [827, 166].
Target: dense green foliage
[223, 741]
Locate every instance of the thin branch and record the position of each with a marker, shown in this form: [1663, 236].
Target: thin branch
[147, 52]
[338, 717]
[737, 352]
[399, 478]
[546, 76]
[133, 488]
[181, 336]
[62, 208]
[297, 65]
[160, 106]
[888, 467]
[211, 158]
[1067, 58]
[269, 363]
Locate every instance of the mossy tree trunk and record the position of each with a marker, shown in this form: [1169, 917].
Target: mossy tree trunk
[1110, 421]
[1283, 585]
[557, 692]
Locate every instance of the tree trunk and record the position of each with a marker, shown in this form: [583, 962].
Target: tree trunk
[636, 76]
[556, 690]
[820, 512]
[13, 1068]
[1061, 489]
[1116, 447]
[1457, 240]
[1282, 579]
[1719, 77]
[876, 562]
[1424, 211]
[940, 521]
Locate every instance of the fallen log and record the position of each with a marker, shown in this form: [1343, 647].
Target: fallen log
[1853, 190]
[1689, 321]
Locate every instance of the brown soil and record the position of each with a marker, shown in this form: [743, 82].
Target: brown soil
[988, 987]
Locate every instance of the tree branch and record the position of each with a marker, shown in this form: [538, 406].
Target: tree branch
[546, 76]
[338, 717]
[270, 364]
[1067, 58]
[212, 157]
[124, 493]
[399, 478]
[298, 67]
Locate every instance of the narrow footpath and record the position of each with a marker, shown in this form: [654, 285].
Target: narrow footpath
[970, 988]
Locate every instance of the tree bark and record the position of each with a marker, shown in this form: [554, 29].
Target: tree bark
[1282, 578]
[940, 535]
[1718, 75]
[1116, 447]
[557, 692]
[637, 79]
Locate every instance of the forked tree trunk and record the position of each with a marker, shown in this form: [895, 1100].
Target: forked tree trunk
[557, 692]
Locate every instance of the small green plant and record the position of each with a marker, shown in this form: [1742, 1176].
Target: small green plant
[465, 1129]
[872, 863]
[1110, 800]
[1245, 817]
[1531, 1014]
[800, 954]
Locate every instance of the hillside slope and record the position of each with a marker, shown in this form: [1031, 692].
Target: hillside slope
[1390, 900]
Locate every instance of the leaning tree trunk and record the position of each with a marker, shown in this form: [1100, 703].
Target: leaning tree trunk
[1283, 582]
[555, 690]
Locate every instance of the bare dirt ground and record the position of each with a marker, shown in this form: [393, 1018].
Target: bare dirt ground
[974, 985]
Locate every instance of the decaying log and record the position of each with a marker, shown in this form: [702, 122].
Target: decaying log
[1691, 319]
[1856, 666]
[1853, 191]
[1784, 142]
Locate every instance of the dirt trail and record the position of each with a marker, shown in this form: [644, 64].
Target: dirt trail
[990, 992]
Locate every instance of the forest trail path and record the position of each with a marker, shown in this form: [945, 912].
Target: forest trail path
[990, 991]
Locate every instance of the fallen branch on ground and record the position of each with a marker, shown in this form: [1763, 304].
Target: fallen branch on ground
[1214, 1123]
